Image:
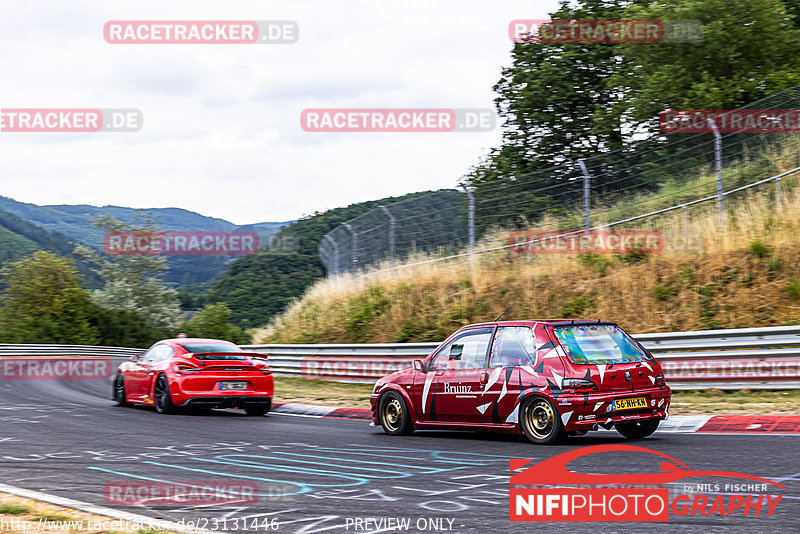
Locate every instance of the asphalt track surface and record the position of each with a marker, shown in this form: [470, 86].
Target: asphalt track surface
[319, 475]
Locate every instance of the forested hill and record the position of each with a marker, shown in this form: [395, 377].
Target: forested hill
[19, 238]
[75, 221]
[260, 286]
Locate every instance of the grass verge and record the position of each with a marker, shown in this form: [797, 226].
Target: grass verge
[18, 514]
[695, 402]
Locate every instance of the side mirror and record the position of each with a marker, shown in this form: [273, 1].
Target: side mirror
[136, 357]
[418, 365]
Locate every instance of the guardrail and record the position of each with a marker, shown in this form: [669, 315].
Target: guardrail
[756, 358]
[61, 351]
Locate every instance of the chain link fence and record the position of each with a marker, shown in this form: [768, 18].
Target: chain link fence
[632, 185]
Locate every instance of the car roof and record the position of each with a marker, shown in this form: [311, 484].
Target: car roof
[179, 340]
[531, 322]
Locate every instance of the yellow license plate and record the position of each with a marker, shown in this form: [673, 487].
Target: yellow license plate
[631, 403]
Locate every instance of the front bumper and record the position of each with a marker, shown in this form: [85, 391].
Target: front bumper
[373, 402]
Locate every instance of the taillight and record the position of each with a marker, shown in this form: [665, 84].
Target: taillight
[578, 385]
[184, 369]
[265, 371]
[660, 380]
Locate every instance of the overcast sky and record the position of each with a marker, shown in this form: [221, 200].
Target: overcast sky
[222, 131]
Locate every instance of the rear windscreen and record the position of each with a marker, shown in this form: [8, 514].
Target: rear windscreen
[196, 348]
[598, 344]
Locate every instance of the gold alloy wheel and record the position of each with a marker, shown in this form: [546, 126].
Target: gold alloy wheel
[393, 414]
[540, 418]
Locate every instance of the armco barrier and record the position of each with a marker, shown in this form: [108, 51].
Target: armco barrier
[758, 358]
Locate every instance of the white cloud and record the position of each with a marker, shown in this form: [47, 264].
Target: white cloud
[221, 129]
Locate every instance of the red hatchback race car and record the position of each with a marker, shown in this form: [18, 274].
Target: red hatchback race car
[196, 373]
[545, 379]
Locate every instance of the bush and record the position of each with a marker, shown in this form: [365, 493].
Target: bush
[125, 328]
[794, 288]
[662, 293]
[574, 307]
[758, 249]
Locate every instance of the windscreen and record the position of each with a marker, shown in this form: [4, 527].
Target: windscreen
[598, 344]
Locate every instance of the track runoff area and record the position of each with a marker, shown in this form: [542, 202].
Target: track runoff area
[318, 471]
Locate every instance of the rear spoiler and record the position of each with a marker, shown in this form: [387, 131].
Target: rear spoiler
[210, 355]
[582, 323]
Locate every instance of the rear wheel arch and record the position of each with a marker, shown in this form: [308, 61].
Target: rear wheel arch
[535, 410]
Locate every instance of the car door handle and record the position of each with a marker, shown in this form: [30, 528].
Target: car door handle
[484, 378]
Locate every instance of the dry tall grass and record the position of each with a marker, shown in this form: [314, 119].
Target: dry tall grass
[743, 272]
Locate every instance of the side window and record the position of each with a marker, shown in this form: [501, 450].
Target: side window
[157, 353]
[467, 351]
[166, 352]
[150, 354]
[513, 346]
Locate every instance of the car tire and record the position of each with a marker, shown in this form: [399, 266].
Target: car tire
[118, 391]
[540, 421]
[393, 414]
[161, 395]
[637, 429]
[256, 411]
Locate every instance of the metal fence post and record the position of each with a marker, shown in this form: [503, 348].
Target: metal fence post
[392, 222]
[685, 219]
[586, 193]
[778, 193]
[354, 245]
[335, 263]
[470, 217]
[718, 165]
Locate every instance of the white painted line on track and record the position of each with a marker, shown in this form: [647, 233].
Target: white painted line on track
[298, 415]
[100, 510]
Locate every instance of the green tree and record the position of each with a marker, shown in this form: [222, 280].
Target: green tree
[133, 282]
[43, 302]
[750, 49]
[214, 322]
[125, 328]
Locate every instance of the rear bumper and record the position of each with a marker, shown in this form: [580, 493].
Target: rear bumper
[596, 409]
[228, 401]
[205, 390]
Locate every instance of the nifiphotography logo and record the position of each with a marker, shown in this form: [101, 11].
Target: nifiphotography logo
[548, 491]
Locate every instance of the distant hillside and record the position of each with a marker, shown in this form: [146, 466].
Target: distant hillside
[260, 286]
[19, 238]
[76, 223]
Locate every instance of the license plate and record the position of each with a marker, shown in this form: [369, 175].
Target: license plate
[233, 385]
[631, 403]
